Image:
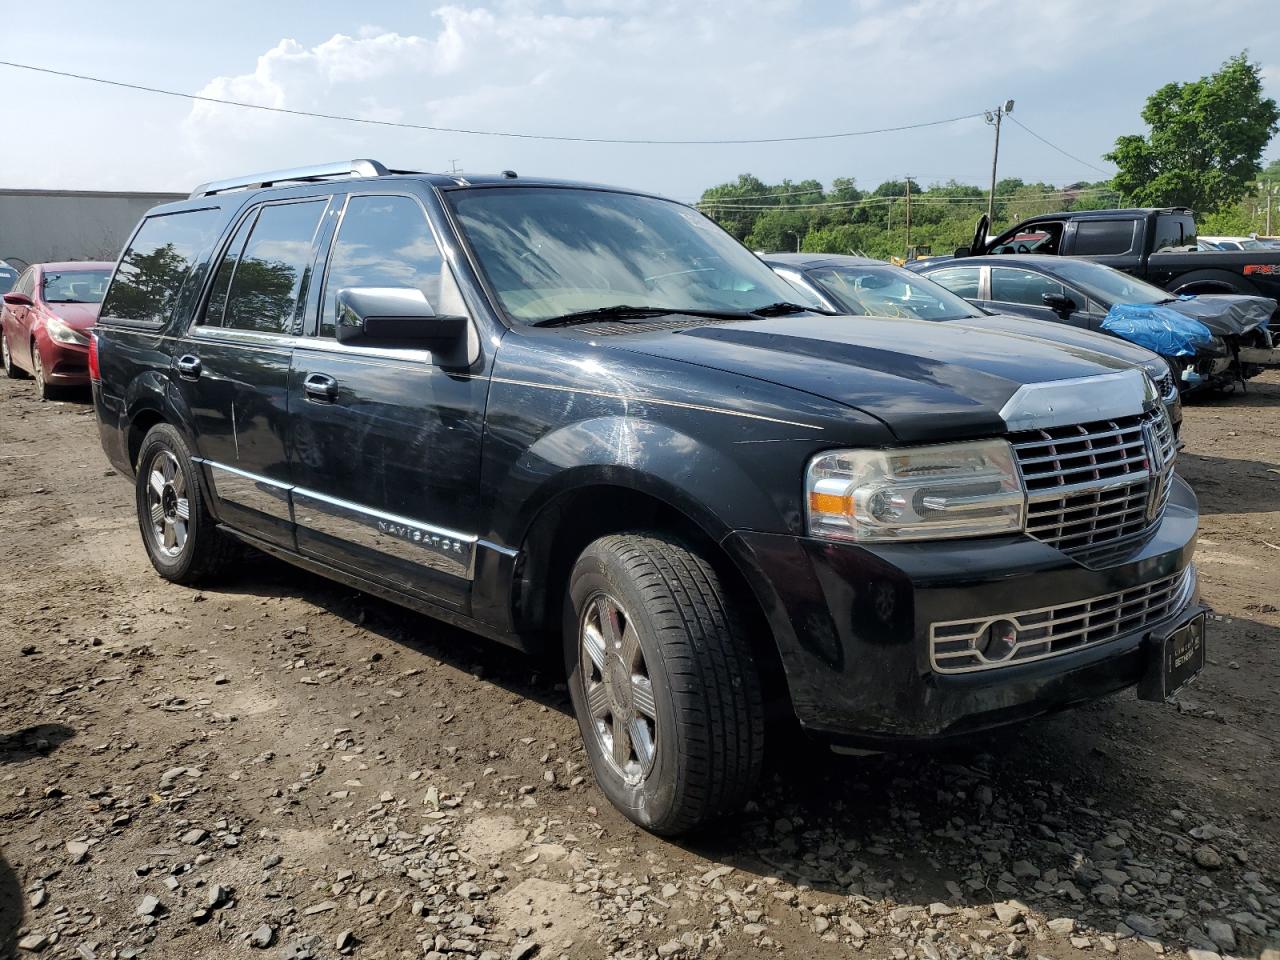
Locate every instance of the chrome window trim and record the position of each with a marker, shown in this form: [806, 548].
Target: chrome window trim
[1061, 403]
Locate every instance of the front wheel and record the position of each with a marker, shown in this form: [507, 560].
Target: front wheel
[663, 682]
[43, 390]
[178, 531]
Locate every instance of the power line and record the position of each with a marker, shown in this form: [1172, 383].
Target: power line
[476, 133]
[1050, 143]
[915, 198]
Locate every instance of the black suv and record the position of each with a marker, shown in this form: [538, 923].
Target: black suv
[547, 410]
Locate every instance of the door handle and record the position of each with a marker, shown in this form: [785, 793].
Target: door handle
[189, 367]
[320, 388]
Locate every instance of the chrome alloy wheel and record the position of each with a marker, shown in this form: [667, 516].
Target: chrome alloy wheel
[619, 693]
[167, 504]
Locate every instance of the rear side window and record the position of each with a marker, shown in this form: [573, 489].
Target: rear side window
[263, 281]
[959, 280]
[1174, 230]
[1102, 237]
[1021, 286]
[385, 242]
[156, 264]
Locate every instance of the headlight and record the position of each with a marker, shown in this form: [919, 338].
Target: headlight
[1160, 374]
[59, 331]
[921, 493]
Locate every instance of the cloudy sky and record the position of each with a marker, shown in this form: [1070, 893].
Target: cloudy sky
[1079, 71]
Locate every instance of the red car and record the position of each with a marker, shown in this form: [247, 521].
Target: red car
[45, 322]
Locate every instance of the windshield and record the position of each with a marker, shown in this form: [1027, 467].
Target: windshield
[552, 251]
[885, 291]
[75, 286]
[1106, 284]
[8, 278]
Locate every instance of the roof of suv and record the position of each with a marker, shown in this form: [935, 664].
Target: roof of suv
[281, 181]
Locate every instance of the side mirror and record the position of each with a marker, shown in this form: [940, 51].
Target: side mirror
[1058, 302]
[18, 300]
[395, 317]
[961, 252]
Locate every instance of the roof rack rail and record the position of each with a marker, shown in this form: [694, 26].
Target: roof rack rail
[320, 171]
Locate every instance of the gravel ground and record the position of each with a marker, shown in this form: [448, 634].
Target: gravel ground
[278, 766]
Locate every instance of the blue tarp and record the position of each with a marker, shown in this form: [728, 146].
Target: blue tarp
[1158, 328]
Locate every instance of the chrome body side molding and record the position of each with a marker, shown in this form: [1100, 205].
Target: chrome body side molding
[250, 490]
[400, 537]
[403, 538]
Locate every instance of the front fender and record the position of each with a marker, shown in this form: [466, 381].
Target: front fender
[700, 481]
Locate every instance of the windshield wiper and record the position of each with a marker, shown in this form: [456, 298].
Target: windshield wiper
[783, 307]
[625, 313]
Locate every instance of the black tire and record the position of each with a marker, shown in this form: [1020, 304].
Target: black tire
[11, 369]
[204, 550]
[707, 739]
[43, 390]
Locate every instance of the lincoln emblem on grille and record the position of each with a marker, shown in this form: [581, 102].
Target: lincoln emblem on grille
[1155, 465]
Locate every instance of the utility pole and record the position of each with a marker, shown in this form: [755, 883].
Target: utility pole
[908, 251]
[994, 117]
[1270, 188]
[454, 168]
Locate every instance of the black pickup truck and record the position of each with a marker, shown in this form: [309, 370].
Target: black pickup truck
[1156, 244]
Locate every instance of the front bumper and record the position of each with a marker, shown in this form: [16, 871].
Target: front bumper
[65, 364]
[853, 625]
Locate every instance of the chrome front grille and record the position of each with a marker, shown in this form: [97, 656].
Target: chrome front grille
[1094, 485]
[1050, 631]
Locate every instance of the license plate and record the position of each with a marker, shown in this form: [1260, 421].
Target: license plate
[1175, 661]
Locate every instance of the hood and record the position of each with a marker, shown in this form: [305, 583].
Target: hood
[1100, 343]
[925, 380]
[78, 316]
[1226, 314]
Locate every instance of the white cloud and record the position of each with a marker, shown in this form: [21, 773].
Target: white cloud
[1079, 71]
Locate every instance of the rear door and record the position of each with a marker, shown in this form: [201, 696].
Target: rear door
[232, 366]
[385, 442]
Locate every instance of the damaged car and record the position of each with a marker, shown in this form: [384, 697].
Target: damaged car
[1211, 342]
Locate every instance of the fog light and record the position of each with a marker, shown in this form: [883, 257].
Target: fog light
[998, 640]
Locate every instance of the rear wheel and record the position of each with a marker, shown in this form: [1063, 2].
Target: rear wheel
[43, 390]
[663, 682]
[181, 537]
[11, 369]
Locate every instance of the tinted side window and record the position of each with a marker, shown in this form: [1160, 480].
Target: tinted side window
[1174, 230]
[155, 265]
[1021, 286]
[1096, 237]
[962, 281]
[216, 308]
[385, 242]
[263, 294]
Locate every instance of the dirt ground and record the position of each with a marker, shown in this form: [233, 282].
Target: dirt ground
[278, 766]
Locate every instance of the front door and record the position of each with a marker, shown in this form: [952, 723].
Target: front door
[385, 443]
[1022, 292]
[232, 366]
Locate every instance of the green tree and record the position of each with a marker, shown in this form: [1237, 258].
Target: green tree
[1205, 143]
